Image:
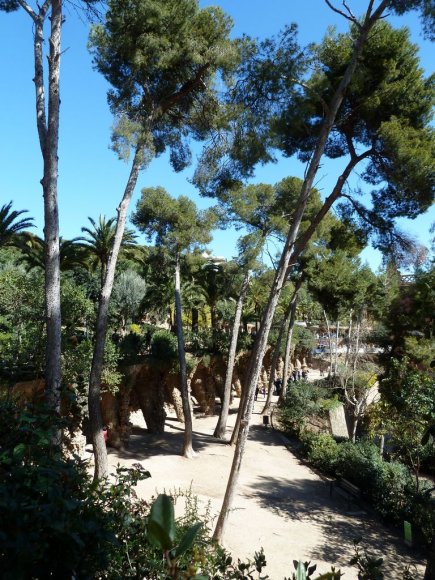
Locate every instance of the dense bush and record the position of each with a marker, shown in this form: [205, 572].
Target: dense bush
[303, 400]
[388, 486]
[47, 517]
[321, 450]
[164, 346]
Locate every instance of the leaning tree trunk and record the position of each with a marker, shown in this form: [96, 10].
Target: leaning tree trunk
[184, 388]
[281, 272]
[242, 402]
[95, 416]
[221, 426]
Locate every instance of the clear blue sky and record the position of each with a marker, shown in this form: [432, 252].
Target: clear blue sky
[91, 179]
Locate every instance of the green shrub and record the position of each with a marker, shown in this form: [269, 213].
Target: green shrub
[302, 400]
[47, 517]
[164, 345]
[322, 450]
[207, 340]
[388, 486]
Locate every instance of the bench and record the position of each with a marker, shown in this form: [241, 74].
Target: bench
[346, 489]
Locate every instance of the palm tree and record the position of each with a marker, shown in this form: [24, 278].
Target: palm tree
[99, 240]
[9, 227]
[71, 254]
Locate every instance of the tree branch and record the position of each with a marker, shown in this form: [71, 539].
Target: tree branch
[348, 16]
[310, 90]
[28, 9]
[187, 88]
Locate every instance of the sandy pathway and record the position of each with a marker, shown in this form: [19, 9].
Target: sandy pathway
[281, 504]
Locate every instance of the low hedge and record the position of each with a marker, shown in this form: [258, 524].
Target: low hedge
[388, 486]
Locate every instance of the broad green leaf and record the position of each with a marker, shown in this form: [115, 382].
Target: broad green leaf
[187, 540]
[20, 449]
[161, 522]
[158, 536]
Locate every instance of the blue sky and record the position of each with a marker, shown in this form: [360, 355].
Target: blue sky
[91, 179]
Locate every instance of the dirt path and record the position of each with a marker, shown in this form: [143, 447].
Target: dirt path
[281, 504]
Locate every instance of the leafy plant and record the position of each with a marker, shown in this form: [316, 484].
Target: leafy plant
[369, 567]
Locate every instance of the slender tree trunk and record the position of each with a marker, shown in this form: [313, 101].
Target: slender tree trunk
[337, 330]
[349, 338]
[328, 328]
[290, 326]
[382, 445]
[195, 319]
[95, 416]
[213, 316]
[354, 428]
[221, 426]
[430, 565]
[242, 401]
[47, 122]
[51, 215]
[235, 468]
[274, 364]
[281, 272]
[184, 388]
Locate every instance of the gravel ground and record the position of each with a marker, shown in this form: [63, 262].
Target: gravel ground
[281, 504]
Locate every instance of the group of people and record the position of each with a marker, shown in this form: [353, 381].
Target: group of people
[296, 374]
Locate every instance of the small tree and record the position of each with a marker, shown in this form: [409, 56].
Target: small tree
[178, 226]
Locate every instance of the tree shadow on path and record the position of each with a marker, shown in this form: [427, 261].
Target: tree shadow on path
[143, 445]
[308, 499]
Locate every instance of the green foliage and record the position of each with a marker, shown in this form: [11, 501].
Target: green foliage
[369, 568]
[321, 449]
[47, 517]
[22, 341]
[160, 59]
[10, 225]
[303, 338]
[128, 293]
[164, 346]
[388, 486]
[304, 571]
[207, 340]
[340, 283]
[175, 223]
[99, 240]
[77, 309]
[303, 400]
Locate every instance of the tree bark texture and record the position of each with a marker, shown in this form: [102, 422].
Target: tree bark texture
[184, 388]
[47, 122]
[328, 329]
[51, 212]
[289, 327]
[281, 273]
[221, 426]
[95, 416]
[274, 364]
[337, 331]
[430, 565]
